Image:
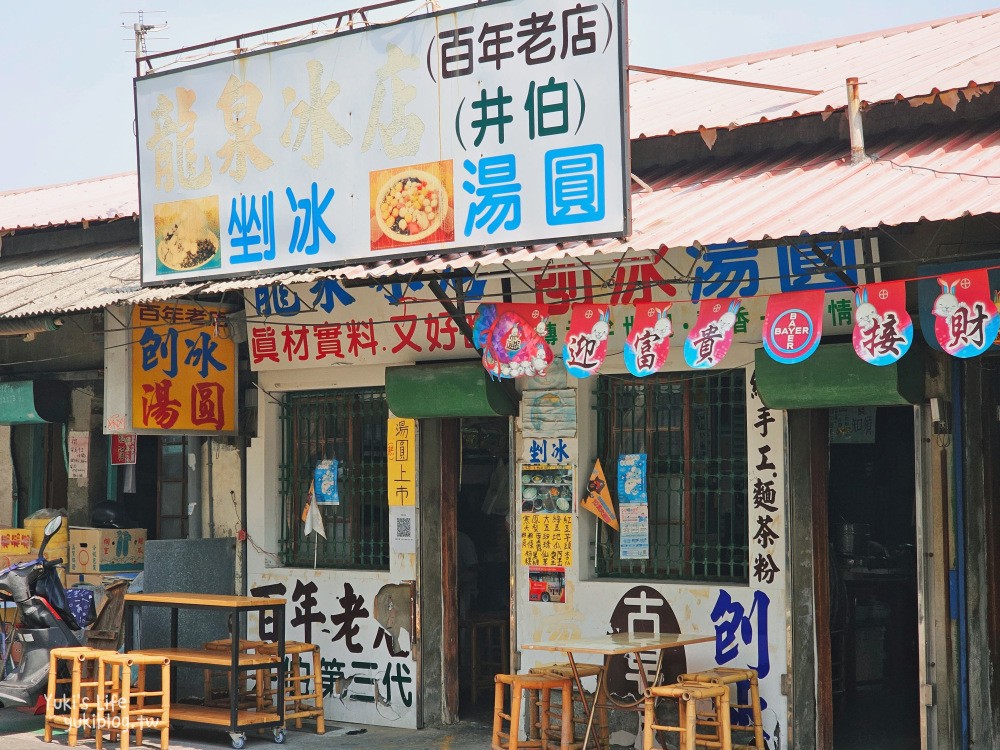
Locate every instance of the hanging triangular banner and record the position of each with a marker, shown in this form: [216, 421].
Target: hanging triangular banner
[793, 325]
[965, 318]
[312, 517]
[883, 330]
[512, 339]
[587, 340]
[648, 342]
[709, 341]
[598, 499]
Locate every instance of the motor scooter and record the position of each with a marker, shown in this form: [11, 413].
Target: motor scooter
[44, 621]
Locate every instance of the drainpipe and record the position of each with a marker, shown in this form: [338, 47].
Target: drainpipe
[960, 546]
[854, 121]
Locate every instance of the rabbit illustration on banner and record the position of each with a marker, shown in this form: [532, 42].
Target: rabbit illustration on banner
[965, 317]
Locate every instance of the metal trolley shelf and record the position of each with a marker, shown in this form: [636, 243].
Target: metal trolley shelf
[235, 720]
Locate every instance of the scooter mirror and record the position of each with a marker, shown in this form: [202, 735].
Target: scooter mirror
[53, 526]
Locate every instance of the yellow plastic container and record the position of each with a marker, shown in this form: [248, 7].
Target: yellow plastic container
[37, 528]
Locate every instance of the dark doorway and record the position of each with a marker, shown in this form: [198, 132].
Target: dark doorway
[483, 558]
[873, 579]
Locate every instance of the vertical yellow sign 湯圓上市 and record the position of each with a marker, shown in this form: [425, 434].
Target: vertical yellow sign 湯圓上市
[400, 452]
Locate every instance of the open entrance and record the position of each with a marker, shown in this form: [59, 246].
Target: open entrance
[873, 635]
[483, 560]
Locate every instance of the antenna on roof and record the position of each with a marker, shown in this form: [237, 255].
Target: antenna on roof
[141, 29]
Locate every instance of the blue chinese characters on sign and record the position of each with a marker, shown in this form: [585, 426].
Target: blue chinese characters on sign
[574, 185]
[733, 269]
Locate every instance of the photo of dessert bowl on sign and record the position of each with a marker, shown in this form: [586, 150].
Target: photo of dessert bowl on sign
[412, 206]
[187, 235]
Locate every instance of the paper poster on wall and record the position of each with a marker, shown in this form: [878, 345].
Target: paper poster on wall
[325, 488]
[852, 424]
[79, 453]
[547, 584]
[400, 453]
[546, 488]
[549, 412]
[403, 529]
[123, 448]
[633, 507]
[547, 539]
[633, 537]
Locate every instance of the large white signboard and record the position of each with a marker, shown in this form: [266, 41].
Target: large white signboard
[501, 124]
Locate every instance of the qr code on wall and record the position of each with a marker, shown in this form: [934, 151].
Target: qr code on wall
[404, 527]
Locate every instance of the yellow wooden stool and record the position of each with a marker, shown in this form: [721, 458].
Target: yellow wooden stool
[305, 699]
[687, 694]
[731, 676]
[247, 698]
[84, 689]
[544, 731]
[565, 670]
[122, 710]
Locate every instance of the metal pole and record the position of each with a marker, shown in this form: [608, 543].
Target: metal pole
[854, 121]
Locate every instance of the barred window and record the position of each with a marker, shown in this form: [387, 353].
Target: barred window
[350, 426]
[692, 428]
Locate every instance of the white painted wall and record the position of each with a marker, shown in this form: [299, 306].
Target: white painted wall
[591, 601]
[367, 667]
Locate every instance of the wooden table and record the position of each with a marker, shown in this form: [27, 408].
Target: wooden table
[616, 644]
[232, 718]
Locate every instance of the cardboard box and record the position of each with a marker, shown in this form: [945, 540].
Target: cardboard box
[15, 541]
[105, 550]
[7, 560]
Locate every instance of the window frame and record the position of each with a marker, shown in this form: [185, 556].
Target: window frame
[704, 475]
[311, 428]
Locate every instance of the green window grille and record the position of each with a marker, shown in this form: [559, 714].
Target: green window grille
[692, 429]
[349, 425]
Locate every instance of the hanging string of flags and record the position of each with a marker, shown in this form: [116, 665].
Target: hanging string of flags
[512, 336]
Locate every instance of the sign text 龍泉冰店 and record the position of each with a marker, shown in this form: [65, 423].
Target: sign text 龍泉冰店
[494, 125]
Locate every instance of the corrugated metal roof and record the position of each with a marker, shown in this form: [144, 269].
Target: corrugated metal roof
[902, 63]
[934, 175]
[75, 280]
[100, 199]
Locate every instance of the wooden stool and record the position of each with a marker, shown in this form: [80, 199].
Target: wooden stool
[490, 651]
[296, 684]
[247, 697]
[84, 688]
[542, 732]
[730, 676]
[687, 694]
[116, 712]
[565, 670]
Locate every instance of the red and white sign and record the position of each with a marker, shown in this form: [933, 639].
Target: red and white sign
[793, 326]
[709, 341]
[587, 340]
[883, 330]
[123, 448]
[648, 343]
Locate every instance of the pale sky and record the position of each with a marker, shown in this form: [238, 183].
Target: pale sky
[67, 65]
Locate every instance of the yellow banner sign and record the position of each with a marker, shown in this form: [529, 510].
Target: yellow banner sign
[400, 450]
[183, 369]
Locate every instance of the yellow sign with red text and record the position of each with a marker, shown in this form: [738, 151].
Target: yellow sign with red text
[183, 369]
